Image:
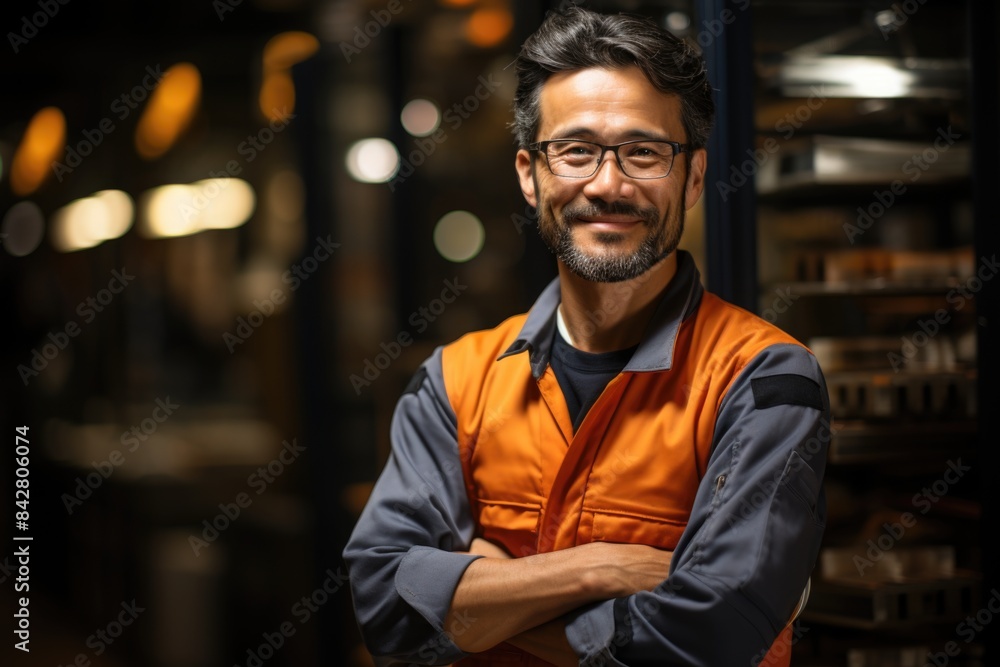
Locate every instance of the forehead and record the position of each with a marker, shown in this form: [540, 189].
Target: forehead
[608, 104]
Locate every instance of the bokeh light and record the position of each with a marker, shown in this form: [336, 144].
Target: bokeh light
[43, 144]
[459, 236]
[277, 90]
[420, 117]
[488, 26]
[180, 210]
[85, 223]
[170, 110]
[22, 228]
[678, 21]
[373, 160]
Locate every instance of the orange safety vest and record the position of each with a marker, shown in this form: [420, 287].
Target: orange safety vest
[631, 471]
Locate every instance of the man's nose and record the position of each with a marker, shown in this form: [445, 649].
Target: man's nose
[609, 183]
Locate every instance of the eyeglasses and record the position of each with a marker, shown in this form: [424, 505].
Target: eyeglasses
[643, 158]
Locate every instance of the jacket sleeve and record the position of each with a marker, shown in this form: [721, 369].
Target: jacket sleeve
[403, 573]
[752, 539]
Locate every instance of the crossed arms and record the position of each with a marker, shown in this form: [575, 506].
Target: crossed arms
[517, 600]
[427, 592]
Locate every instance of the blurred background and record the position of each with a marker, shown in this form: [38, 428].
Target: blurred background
[232, 229]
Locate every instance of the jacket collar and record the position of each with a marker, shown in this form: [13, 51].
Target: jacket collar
[656, 349]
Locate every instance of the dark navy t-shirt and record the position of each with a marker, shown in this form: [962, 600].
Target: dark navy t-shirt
[584, 375]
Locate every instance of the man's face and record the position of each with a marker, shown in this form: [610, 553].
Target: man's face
[609, 227]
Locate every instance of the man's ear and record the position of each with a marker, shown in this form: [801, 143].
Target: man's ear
[526, 177]
[695, 183]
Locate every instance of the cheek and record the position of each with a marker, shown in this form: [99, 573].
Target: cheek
[555, 195]
[668, 200]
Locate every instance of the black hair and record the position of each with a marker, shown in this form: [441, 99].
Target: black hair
[579, 38]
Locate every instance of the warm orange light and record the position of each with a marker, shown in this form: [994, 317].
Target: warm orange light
[170, 110]
[43, 144]
[457, 4]
[285, 49]
[277, 95]
[277, 90]
[488, 27]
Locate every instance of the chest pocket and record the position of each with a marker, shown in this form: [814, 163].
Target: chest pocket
[628, 527]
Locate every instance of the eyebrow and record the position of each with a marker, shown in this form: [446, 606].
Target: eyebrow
[585, 133]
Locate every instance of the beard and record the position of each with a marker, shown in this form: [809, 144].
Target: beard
[612, 265]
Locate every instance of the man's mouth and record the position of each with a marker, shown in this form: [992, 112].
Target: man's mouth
[609, 223]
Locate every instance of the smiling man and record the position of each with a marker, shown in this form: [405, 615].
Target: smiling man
[630, 473]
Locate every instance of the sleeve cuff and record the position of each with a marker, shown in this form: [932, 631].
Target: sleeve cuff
[426, 579]
[591, 633]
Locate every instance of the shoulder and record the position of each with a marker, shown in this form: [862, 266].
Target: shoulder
[737, 346]
[737, 333]
[468, 363]
[737, 324]
[485, 345]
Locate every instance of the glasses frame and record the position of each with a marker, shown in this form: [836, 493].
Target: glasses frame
[542, 147]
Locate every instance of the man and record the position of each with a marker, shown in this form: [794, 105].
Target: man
[631, 472]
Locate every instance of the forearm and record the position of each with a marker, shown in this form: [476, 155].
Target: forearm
[498, 597]
[548, 642]
[752, 537]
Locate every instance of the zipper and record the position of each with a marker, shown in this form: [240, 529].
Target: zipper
[719, 483]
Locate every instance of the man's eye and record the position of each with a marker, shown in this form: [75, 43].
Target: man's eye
[645, 151]
[578, 150]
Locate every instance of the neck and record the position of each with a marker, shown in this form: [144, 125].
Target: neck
[603, 317]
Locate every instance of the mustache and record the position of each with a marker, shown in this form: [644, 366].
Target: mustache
[649, 215]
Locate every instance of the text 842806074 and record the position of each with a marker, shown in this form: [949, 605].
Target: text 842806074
[22, 620]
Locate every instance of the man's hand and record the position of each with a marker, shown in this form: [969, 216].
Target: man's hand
[617, 570]
[507, 596]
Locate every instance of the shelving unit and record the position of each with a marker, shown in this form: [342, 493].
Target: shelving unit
[864, 219]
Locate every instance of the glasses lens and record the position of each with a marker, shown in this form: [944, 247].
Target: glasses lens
[580, 159]
[573, 158]
[647, 159]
